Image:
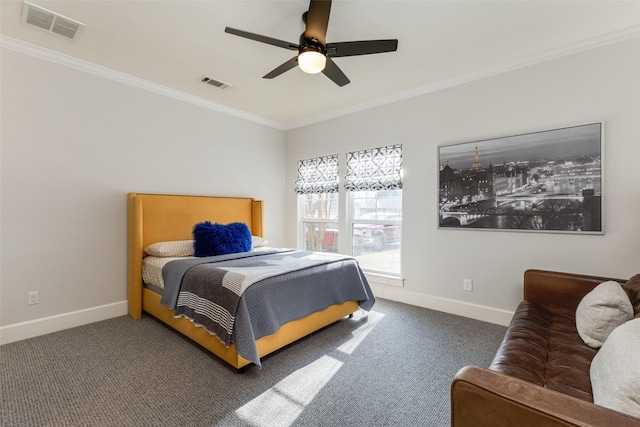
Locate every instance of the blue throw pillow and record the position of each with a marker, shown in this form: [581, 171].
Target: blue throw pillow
[218, 239]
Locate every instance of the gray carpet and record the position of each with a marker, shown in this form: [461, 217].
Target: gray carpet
[392, 367]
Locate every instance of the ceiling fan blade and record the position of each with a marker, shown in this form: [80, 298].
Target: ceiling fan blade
[318, 20]
[261, 38]
[293, 62]
[365, 47]
[332, 71]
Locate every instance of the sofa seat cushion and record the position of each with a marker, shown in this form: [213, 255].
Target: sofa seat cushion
[544, 348]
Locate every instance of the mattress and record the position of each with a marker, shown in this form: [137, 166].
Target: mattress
[152, 269]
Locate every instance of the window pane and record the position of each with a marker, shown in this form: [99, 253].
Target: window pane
[384, 261]
[320, 205]
[372, 205]
[319, 221]
[320, 236]
[377, 229]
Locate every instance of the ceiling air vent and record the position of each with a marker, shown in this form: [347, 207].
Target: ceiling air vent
[216, 83]
[50, 21]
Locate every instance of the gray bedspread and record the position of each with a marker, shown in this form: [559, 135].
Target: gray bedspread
[243, 297]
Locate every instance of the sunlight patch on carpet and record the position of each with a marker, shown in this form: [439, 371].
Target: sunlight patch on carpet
[283, 403]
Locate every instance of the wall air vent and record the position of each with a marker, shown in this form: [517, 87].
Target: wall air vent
[216, 83]
[50, 21]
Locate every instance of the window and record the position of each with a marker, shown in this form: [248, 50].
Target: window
[374, 186]
[371, 223]
[317, 188]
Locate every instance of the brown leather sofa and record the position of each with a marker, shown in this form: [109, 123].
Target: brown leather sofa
[540, 374]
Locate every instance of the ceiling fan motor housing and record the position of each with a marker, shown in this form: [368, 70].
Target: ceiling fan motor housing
[312, 44]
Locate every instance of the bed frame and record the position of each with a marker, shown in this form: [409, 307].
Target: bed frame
[155, 218]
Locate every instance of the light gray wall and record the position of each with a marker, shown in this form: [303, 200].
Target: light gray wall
[597, 85]
[73, 145]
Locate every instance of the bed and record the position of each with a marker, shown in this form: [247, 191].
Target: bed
[154, 218]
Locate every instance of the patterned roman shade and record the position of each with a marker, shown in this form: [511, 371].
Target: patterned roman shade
[374, 169]
[318, 175]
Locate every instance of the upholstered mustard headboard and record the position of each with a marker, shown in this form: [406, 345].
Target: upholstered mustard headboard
[160, 217]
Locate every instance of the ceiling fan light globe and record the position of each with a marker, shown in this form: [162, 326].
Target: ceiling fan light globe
[311, 61]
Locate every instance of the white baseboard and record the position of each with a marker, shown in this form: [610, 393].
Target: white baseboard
[460, 308]
[47, 325]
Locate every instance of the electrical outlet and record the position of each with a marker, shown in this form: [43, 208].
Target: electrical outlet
[34, 298]
[467, 285]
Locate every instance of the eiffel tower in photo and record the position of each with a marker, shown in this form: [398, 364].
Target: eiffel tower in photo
[476, 161]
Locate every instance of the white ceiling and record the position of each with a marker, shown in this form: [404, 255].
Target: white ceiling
[173, 44]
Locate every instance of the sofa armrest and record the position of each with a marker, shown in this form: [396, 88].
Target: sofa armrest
[559, 291]
[481, 397]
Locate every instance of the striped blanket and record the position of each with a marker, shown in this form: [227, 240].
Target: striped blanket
[243, 297]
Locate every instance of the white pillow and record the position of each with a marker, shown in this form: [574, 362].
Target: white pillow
[257, 241]
[615, 370]
[603, 309]
[176, 248]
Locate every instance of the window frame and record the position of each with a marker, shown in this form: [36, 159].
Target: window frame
[388, 176]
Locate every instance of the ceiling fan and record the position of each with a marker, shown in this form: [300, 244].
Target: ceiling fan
[314, 53]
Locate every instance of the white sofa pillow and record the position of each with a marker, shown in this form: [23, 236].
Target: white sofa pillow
[615, 370]
[603, 309]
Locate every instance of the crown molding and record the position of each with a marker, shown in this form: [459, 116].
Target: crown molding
[78, 64]
[587, 44]
[108, 73]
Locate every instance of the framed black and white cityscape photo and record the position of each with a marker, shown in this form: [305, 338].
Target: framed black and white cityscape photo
[549, 181]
